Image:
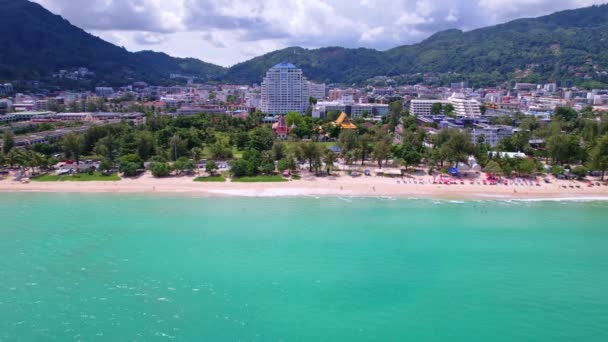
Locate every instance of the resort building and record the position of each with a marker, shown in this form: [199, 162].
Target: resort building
[422, 107]
[464, 107]
[355, 110]
[492, 133]
[284, 90]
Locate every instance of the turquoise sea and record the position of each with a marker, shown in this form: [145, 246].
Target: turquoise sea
[139, 268]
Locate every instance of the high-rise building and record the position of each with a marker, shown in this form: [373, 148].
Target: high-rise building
[285, 89]
[316, 90]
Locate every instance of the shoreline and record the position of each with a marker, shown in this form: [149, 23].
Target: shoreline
[370, 187]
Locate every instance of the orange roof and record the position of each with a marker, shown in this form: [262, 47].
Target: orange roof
[344, 122]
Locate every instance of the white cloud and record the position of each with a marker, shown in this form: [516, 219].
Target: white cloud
[371, 35]
[149, 38]
[229, 31]
[452, 16]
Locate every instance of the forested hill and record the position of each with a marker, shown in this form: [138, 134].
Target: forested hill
[564, 46]
[557, 46]
[36, 43]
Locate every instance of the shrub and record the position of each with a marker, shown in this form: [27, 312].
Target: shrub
[160, 169]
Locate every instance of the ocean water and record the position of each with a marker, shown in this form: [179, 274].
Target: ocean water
[139, 268]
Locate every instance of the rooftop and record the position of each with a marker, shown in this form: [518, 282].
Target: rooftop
[284, 65]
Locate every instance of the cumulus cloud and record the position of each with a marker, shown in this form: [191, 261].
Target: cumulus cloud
[229, 31]
[149, 38]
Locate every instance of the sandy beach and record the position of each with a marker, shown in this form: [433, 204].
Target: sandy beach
[328, 186]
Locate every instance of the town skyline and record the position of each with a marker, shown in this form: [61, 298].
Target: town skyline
[239, 31]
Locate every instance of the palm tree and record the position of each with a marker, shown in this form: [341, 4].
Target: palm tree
[14, 157]
[34, 160]
[196, 154]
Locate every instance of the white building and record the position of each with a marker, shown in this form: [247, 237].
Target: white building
[464, 107]
[104, 91]
[492, 133]
[316, 90]
[354, 110]
[284, 89]
[422, 107]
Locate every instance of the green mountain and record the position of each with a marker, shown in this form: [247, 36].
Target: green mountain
[36, 43]
[557, 46]
[564, 46]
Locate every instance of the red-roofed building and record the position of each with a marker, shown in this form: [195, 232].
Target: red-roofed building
[280, 128]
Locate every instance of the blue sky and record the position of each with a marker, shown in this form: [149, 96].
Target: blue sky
[226, 32]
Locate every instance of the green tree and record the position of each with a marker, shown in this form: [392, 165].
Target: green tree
[278, 150]
[364, 147]
[458, 147]
[241, 140]
[267, 168]
[282, 165]
[493, 168]
[448, 109]
[107, 147]
[183, 164]
[220, 150]
[564, 148]
[311, 152]
[261, 139]
[436, 108]
[294, 118]
[557, 170]
[196, 153]
[211, 167]
[160, 169]
[130, 165]
[599, 155]
[525, 166]
[329, 160]
[243, 168]
[565, 114]
[73, 145]
[145, 144]
[177, 147]
[106, 165]
[408, 155]
[348, 140]
[580, 172]
[8, 141]
[382, 150]
[14, 158]
[395, 114]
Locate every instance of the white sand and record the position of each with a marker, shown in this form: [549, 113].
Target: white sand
[342, 186]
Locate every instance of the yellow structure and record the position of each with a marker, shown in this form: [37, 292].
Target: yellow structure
[344, 122]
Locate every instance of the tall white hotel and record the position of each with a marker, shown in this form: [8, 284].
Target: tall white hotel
[285, 89]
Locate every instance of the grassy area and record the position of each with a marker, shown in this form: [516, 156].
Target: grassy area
[218, 179]
[292, 145]
[81, 177]
[260, 179]
[235, 153]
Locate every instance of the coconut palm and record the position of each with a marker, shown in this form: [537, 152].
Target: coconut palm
[196, 154]
[14, 158]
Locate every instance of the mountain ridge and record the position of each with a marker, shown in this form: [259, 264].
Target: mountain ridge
[560, 46]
